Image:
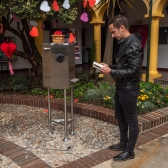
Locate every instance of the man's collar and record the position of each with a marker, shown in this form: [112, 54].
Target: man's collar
[125, 39]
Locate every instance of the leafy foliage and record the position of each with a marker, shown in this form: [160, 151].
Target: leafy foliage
[68, 15]
[36, 91]
[28, 10]
[19, 83]
[151, 97]
[102, 95]
[92, 52]
[31, 10]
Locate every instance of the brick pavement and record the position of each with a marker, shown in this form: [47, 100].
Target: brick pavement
[18, 154]
[148, 125]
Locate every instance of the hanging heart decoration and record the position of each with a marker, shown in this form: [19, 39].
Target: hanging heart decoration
[44, 6]
[84, 3]
[15, 18]
[43, 26]
[33, 23]
[66, 4]
[84, 17]
[71, 38]
[34, 32]
[92, 3]
[8, 48]
[55, 5]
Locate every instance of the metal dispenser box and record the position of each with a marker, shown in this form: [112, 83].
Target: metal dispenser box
[58, 62]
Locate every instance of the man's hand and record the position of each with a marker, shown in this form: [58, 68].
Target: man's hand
[105, 69]
[105, 65]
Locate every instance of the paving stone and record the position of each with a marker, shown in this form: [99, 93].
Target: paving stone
[28, 127]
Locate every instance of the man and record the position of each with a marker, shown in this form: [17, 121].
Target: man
[128, 56]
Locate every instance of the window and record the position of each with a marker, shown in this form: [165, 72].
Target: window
[163, 35]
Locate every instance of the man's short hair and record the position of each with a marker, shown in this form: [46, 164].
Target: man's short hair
[119, 20]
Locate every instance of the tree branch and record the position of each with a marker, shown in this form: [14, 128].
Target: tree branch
[18, 27]
[22, 38]
[9, 22]
[24, 55]
[31, 39]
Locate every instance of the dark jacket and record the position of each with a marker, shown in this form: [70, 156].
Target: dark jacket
[129, 57]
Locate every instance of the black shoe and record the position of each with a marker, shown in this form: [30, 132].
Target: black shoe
[125, 155]
[118, 147]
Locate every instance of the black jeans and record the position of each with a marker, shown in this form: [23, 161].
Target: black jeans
[126, 115]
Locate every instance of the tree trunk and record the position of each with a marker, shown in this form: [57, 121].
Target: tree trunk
[108, 53]
[35, 64]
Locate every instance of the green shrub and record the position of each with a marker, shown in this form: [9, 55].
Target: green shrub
[92, 52]
[108, 100]
[101, 94]
[57, 93]
[37, 91]
[92, 95]
[19, 83]
[144, 107]
[151, 97]
[91, 90]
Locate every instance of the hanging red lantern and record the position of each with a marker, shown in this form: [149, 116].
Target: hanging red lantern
[55, 5]
[92, 3]
[84, 3]
[71, 38]
[34, 32]
[8, 48]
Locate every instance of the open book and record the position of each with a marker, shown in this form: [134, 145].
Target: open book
[97, 65]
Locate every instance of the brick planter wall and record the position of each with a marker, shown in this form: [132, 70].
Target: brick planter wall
[146, 121]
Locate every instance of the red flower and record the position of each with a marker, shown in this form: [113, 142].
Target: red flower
[76, 100]
[45, 111]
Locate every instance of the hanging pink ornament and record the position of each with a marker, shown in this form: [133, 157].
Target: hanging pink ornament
[11, 68]
[8, 48]
[15, 18]
[55, 5]
[84, 17]
[43, 26]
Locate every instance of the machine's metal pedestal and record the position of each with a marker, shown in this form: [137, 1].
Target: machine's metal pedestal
[64, 121]
[59, 73]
